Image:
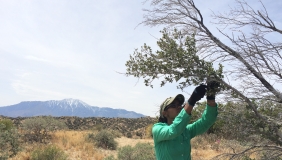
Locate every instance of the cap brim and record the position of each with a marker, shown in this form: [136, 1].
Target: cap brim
[179, 98]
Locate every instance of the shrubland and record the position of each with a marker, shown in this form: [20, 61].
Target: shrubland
[9, 139]
[232, 134]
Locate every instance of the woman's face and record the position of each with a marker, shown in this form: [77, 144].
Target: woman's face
[172, 110]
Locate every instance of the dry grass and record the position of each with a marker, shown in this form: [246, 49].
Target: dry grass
[72, 142]
[123, 141]
[77, 148]
[75, 145]
[26, 151]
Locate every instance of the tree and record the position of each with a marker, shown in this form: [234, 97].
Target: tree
[189, 54]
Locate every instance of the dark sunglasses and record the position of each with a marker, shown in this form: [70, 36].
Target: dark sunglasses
[173, 106]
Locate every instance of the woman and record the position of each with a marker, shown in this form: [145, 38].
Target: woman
[172, 134]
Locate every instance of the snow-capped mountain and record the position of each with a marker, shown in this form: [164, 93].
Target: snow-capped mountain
[65, 107]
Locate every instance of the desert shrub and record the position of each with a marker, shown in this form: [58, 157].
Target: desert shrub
[148, 131]
[115, 133]
[126, 153]
[247, 158]
[139, 134]
[236, 121]
[9, 140]
[141, 151]
[48, 153]
[129, 135]
[8, 124]
[99, 127]
[266, 156]
[105, 139]
[144, 151]
[111, 157]
[38, 128]
[90, 137]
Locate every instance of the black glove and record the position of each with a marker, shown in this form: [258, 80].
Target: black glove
[213, 87]
[198, 93]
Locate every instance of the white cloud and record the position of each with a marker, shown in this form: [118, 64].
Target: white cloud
[36, 58]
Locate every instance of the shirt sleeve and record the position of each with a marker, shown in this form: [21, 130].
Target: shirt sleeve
[204, 123]
[162, 131]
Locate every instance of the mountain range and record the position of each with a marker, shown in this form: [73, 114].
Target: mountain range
[65, 107]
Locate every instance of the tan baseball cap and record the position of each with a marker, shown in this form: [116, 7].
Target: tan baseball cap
[168, 101]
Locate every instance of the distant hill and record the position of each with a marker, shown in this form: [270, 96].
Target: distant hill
[65, 107]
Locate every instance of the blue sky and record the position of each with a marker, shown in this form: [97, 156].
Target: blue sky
[57, 49]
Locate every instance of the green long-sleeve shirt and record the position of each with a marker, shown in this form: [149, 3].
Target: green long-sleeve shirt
[172, 142]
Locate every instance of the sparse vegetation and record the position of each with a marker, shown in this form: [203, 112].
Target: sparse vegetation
[115, 133]
[9, 139]
[111, 157]
[126, 153]
[79, 144]
[38, 128]
[141, 151]
[48, 153]
[7, 124]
